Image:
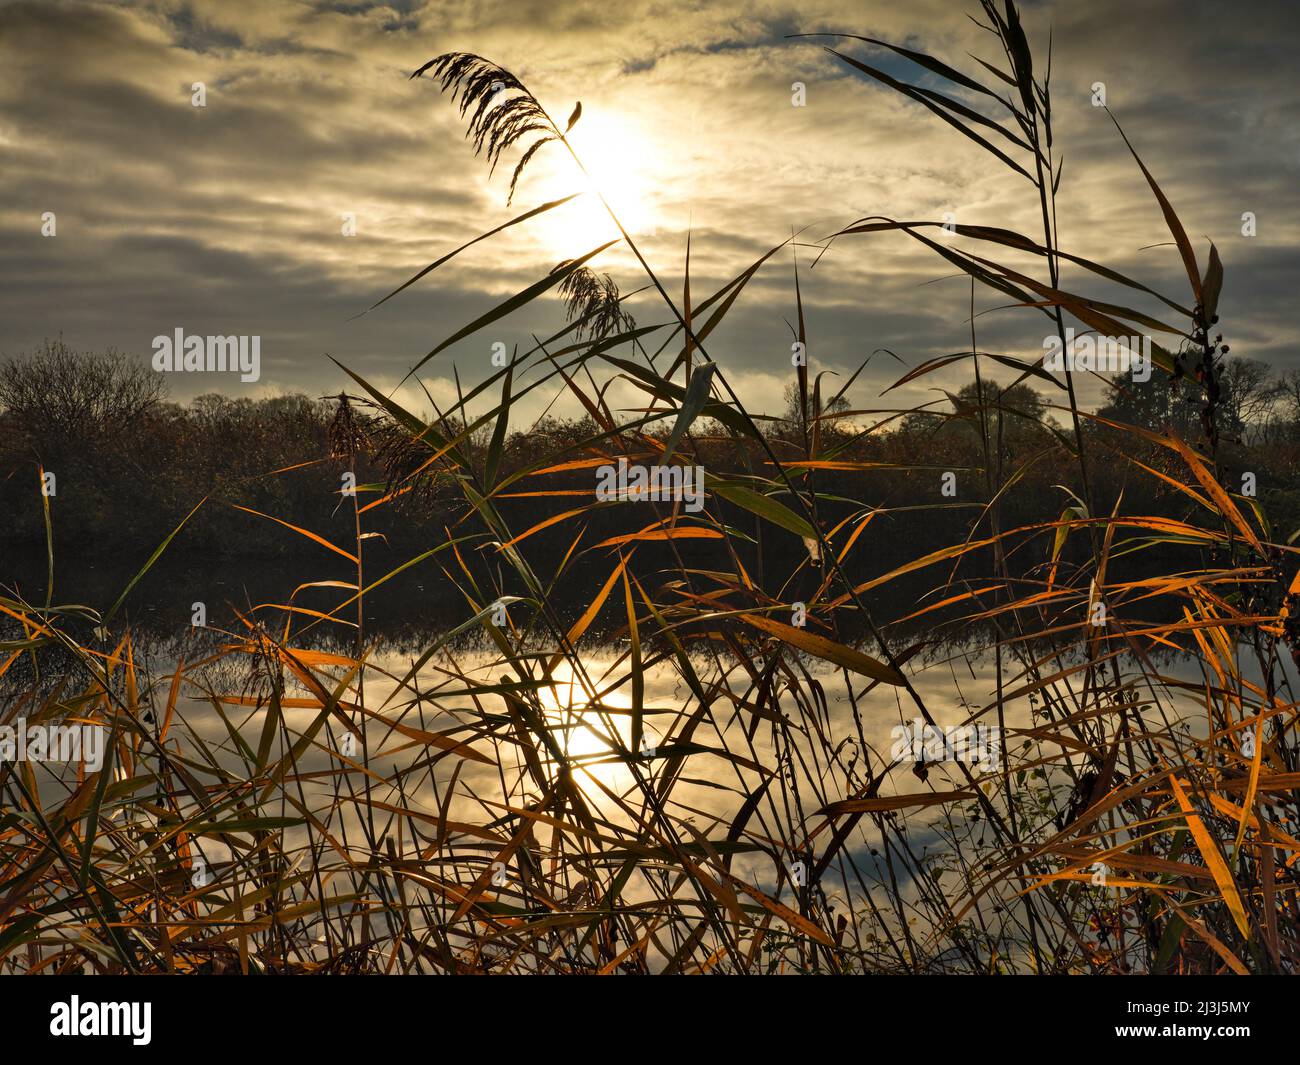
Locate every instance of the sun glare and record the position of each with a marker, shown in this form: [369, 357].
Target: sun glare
[618, 158]
[583, 731]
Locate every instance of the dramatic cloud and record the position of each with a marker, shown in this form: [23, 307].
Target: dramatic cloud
[228, 218]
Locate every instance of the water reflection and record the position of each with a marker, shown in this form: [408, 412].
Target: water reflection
[462, 754]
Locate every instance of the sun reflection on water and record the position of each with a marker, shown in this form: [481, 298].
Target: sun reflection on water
[594, 734]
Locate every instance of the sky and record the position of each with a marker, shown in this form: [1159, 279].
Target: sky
[229, 218]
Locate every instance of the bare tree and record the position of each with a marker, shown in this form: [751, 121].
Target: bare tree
[791, 397]
[58, 392]
[1288, 389]
[1249, 393]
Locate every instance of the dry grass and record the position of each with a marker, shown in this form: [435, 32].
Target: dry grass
[499, 810]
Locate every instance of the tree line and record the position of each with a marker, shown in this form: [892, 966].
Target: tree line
[129, 465]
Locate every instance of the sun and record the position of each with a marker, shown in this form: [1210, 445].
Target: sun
[619, 159]
[583, 730]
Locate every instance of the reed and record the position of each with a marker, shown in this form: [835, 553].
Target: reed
[543, 801]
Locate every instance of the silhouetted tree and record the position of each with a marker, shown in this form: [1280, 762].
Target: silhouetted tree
[60, 393]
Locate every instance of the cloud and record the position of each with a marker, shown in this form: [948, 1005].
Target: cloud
[229, 218]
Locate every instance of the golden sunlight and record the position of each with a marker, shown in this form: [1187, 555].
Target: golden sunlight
[616, 153]
[583, 728]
